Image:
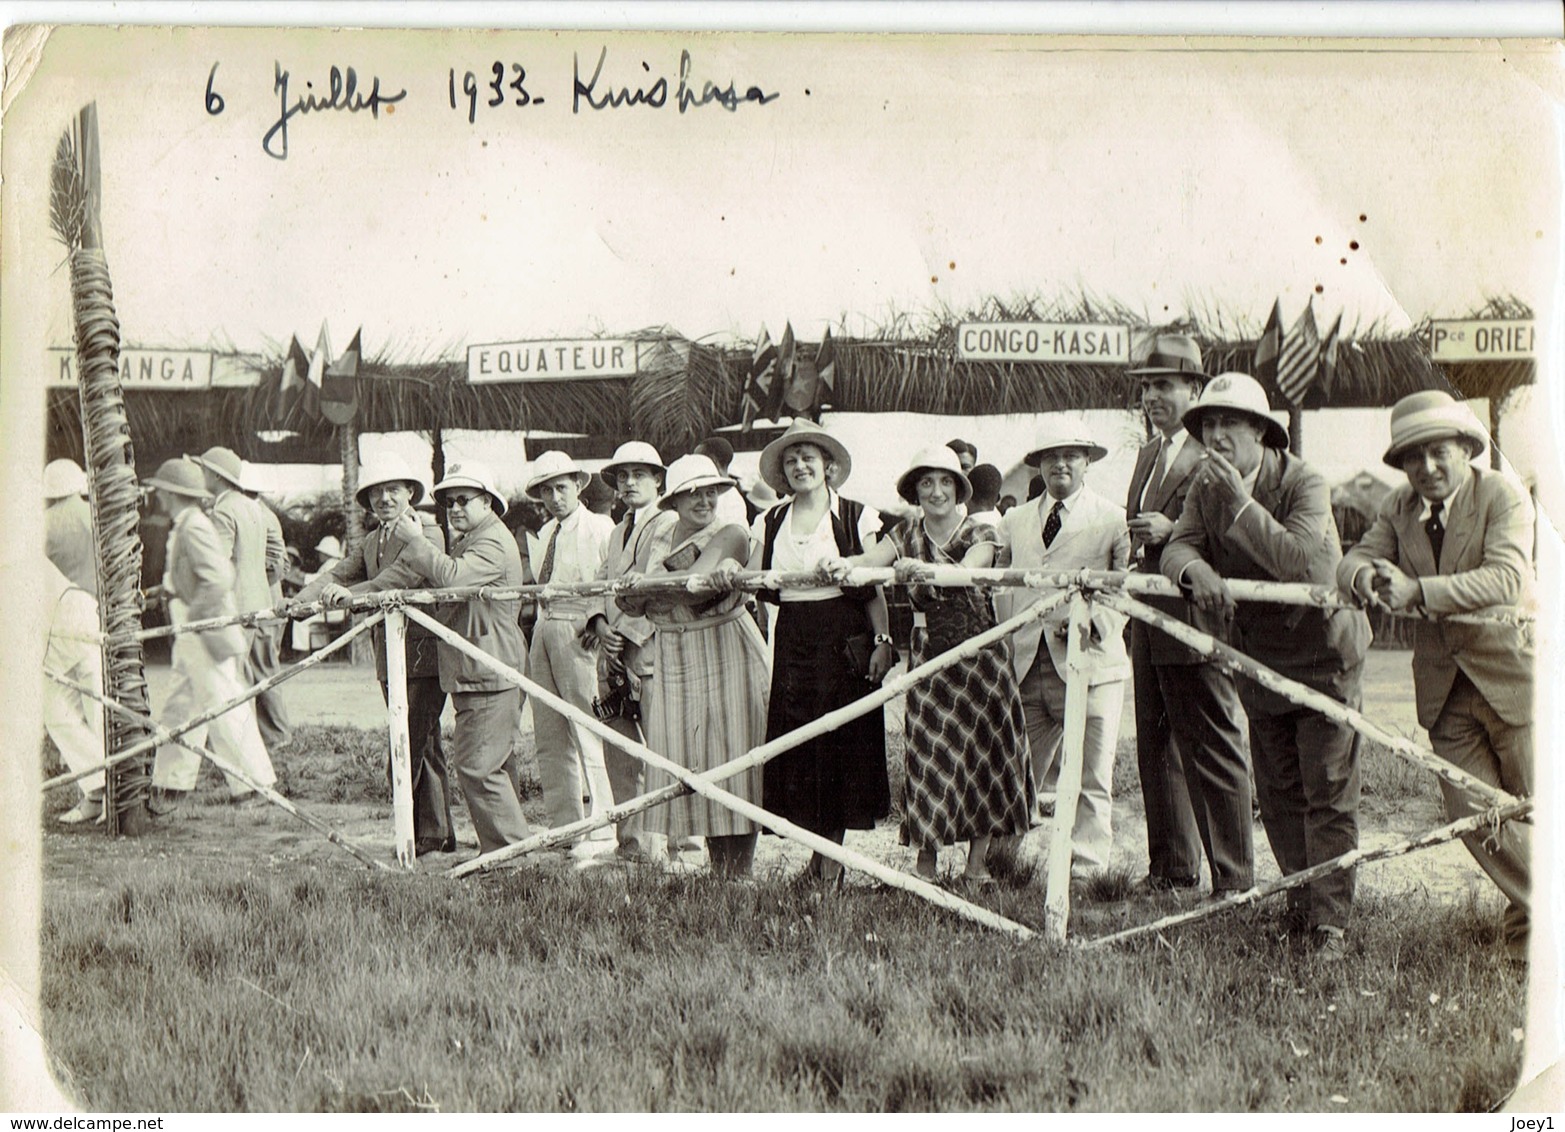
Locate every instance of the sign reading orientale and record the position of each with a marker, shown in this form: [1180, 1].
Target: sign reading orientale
[1482, 340]
[1087, 342]
[554, 359]
[176, 370]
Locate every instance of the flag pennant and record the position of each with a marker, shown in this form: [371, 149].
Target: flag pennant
[1268, 347]
[289, 404]
[1320, 395]
[803, 390]
[762, 365]
[1299, 363]
[782, 378]
[340, 385]
[826, 373]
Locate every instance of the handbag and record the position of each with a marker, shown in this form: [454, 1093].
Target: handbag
[856, 651]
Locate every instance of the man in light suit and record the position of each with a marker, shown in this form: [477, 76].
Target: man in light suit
[624, 660]
[1195, 777]
[271, 709]
[67, 524]
[1071, 527]
[570, 547]
[1255, 511]
[241, 523]
[1458, 539]
[389, 488]
[199, 581]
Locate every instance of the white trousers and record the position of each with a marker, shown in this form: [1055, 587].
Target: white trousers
[201, 683]
[75, 724]
[570, 758]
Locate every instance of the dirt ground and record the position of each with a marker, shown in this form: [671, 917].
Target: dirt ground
[347, 695]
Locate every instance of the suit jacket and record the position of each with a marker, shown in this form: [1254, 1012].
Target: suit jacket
[200, 575]
[243, 528]
[1288, 535]
[1167, 500]
[484, 556]
[369, 571]
[591, 534]
[1092, 536]
[67, 526]
[1485, 564]
[620, 559]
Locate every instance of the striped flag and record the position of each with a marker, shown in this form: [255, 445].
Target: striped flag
[1268, 348]
[340, 385]
[783, 376]
[1321, 394]
[762, 364]
[296, 397]
[1299, 363]
[826, 375]
[319, 360]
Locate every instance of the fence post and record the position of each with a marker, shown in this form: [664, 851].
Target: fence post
[1057, 895]
[397, 720]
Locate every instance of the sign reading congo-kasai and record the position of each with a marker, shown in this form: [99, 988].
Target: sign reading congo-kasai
[554, 359]
[1081, 342]
[176, 370]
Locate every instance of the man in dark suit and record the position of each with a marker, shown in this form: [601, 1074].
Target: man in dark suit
[1195, 780]
[1458, 539]
[1256, 511]
[388, 489]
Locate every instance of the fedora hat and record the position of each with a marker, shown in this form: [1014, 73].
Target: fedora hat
[225, 462]
[1064, 434]
[689, 473]
[1236, 393]
[329, 547]
[182, 476]
[1172, 353]
[62, 478]
[552, 464]
[470, 473]
[388, 469]
[1432, 414]
[804, 432]
[935, 458]
[632, 452]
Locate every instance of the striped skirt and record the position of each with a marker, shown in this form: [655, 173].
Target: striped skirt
[705, 705]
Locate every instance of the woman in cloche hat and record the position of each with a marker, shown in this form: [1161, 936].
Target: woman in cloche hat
[967, 767]
[709, 698]
[827, 643]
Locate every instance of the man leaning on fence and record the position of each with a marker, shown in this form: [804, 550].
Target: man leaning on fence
[1258, 512]
[1458, 539]
[390, 489]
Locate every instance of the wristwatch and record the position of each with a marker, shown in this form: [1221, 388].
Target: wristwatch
[882, 639]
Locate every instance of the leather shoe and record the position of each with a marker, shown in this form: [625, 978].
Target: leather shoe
[248, 798]
[161, 802]
[1330, 947]
[424, 846]
[89, 809]
[1150, 885]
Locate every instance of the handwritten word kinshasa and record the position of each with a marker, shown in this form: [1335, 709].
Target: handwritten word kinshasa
[656, 95]
[344, 96]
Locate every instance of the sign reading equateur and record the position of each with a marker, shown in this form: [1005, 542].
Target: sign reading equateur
[555, 359]
[1081, 342]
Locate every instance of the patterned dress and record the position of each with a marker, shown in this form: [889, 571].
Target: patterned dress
[705, 703]
[968, 770]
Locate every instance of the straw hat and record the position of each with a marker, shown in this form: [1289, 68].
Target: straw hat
[804, 432]
[553, 464]
[225, 462]
[1432, 414]
[689, 473]
[1172, 353]
[470, 473]
[1236, 393]
[1064, 434]
[62, 478]
[182, 476]
[761, 494]
[632, 452]
[936, 458]
[329, 547]
[388, 469]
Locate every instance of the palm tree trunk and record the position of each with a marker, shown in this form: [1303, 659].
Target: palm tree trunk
[110, 458]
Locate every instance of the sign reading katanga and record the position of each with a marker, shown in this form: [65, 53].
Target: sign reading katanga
[554, 359]
[141, 369]
[1482, 340]
[1082, 342]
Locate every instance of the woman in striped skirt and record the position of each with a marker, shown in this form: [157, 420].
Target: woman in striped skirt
[705, 703]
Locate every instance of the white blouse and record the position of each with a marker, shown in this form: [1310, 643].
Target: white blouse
[796, 552]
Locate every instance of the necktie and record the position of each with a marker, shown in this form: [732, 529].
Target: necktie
[1159, 470]
[548, 557]
[1435, 529]
[630, 525]
[1051, 525]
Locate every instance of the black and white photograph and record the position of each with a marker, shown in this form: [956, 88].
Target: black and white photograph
[767, 566]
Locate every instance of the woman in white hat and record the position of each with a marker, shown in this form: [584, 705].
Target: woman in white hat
[968, 775]
[707, 703]
[830, 645]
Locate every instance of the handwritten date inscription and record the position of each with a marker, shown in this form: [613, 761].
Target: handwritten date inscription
[343, 94]
[656, 95]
